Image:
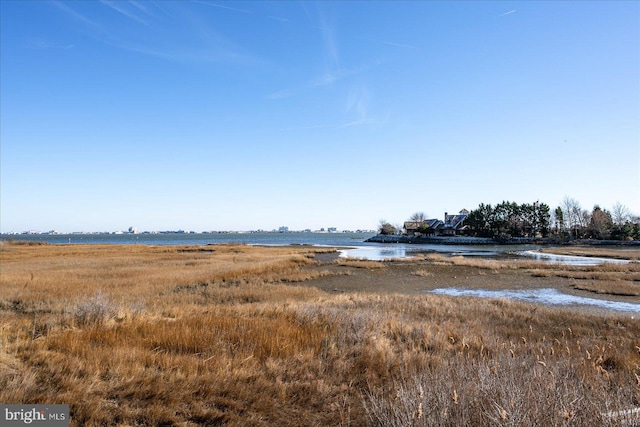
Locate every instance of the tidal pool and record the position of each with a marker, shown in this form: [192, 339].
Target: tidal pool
[382, 251]
[379, 252]
[570, 259]
[541, 296]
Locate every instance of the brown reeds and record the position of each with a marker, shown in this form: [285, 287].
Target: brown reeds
[360, 263]
[606, 278]
[217, 335]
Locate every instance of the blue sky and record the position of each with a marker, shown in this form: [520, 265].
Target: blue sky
[219, 115]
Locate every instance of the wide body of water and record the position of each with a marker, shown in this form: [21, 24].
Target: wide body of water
[353, 243]
[273, 238]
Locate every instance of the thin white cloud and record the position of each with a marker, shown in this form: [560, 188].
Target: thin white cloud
[310, 127]
[508, 13]
[332, 76]
[285, 93]
[332, 126]
[123, 11]
[390, 43]
[47, 44]
[278, 18]
[333, 69]
[139, 6]
[354, 123]
[74, 14]
[358, 102]
[207, 45]
[157, 4]
[146, 10]
[235, 9]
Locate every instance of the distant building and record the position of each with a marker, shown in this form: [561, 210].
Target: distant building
[451, 226]
[283, 229]
[454, 224]
[428, 227]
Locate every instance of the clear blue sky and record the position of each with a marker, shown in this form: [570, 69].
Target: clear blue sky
[217, 115]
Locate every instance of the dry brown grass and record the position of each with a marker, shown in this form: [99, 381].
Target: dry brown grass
[608, 278]
[360, 263]
[620, 287]
[137, 335]
[489, 264]
[423, 273]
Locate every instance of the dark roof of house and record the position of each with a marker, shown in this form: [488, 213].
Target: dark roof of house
[450, 221]
[454, 221]
[412, 225]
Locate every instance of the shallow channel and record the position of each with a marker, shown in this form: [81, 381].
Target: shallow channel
[379, 252]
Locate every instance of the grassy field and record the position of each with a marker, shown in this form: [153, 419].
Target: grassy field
[238, 335]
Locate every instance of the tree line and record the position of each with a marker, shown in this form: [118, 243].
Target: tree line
[568, 221]
[509, 219]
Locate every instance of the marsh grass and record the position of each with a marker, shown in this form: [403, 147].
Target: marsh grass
[188, 336]
[360, 263]
[623, 288]
[423, 273]
[608, 278]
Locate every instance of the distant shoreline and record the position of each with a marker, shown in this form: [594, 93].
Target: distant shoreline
[462, 240]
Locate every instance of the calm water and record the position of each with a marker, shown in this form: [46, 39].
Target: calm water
[380, 251]
[320, 239]
[570, 259]
[354, 244]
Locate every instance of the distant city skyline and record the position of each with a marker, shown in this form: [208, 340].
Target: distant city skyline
[208, 115]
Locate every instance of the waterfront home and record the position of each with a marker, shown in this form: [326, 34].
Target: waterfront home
[452, 225]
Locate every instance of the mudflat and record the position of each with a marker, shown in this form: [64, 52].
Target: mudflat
[620, 283]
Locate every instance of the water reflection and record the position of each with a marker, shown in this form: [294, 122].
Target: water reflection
[380, 252]
[377, 252]
[571, 259]
[542, 296]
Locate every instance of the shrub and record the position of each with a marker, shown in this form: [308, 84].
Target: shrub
[94, 311]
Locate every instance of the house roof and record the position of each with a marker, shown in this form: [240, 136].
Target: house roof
[450, 222]
[454, 221]
[412, 225]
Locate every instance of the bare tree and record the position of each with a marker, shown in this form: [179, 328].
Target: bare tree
[620, 214]
[573, 215]
[418, 217]
[385, 228]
